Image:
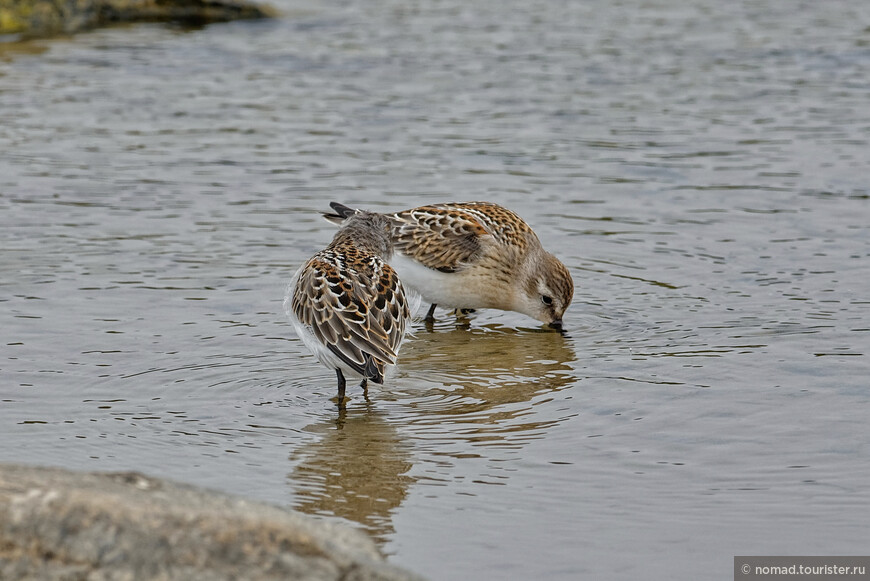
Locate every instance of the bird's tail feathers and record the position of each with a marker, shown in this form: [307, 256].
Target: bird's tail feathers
[342, 213]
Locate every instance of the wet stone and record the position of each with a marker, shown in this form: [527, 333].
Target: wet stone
[34, 18]
[57, 524]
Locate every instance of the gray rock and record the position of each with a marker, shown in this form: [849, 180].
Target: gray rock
[32, 18]
[75, 526]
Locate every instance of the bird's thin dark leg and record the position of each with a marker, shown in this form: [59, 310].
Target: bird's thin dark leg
[364, 384]
[430, 316]
[341, 386]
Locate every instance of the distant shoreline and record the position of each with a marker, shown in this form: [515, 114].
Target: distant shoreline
[25, 19]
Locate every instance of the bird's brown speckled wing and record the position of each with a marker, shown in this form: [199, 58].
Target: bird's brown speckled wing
[360, 318]
[446, 237]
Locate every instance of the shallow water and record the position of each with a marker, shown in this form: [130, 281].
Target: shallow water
[700, 167]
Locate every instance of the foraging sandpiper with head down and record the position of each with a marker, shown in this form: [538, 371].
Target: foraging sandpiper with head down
[475, 255]
[347, 304]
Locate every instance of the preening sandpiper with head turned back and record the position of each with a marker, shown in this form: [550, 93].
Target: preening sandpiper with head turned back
[476, 255]
[347, 304]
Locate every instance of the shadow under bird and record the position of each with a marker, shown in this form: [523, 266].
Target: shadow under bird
[475, 255]
[347, 304]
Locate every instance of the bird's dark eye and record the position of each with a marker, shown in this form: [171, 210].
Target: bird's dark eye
[547, 300]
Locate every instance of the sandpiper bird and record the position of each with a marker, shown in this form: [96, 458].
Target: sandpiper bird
[475, 255]
[347, 304]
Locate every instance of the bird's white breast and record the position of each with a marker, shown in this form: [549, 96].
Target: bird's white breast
[465, 289]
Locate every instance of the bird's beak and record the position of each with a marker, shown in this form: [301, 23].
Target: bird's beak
[557, 324]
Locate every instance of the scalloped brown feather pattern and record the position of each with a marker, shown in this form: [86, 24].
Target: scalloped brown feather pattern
[445, 237]
[355, 305]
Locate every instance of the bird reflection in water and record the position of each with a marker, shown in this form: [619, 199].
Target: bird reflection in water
[489, 376]
[457, 391]
[357, 470]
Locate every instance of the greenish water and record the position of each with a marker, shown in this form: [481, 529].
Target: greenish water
[701, 167]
